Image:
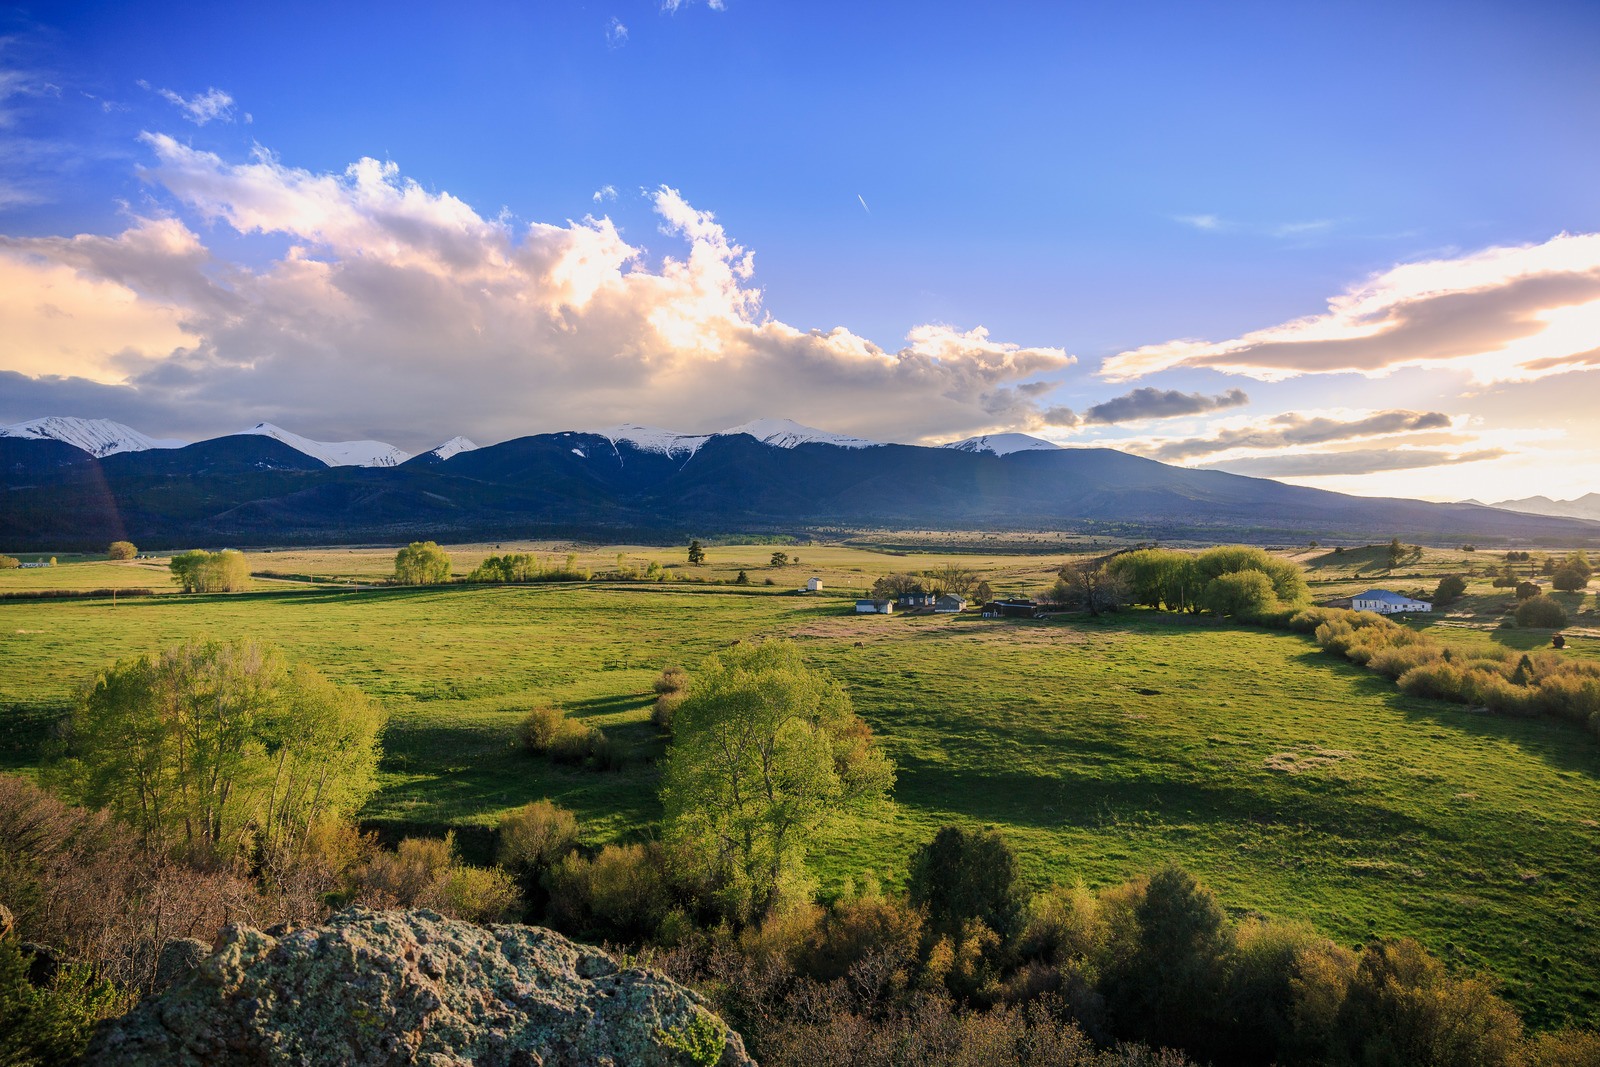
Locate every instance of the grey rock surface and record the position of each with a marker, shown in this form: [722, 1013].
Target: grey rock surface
[371, 988]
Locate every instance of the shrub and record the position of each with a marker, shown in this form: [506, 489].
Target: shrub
[875, 934]
[476, 894]
[1570, 579]
[1245, 594]
[1541, 612]
[9, 563]
[534, 838]
[1525, 590]
[672, 688]
[51, 1023]
[426, 872]
[1449, 589]
[623, 893]
[540, 727]
[121, 550]
[574, 742]
[1401, 1007]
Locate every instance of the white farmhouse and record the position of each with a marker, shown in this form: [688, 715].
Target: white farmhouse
[813, 585]
[1384, 602]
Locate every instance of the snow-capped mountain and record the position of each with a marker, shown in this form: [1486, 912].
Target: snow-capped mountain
[336, 453]
[785, 433]
[453, 447]
[654, 439]
[98, 437]
[1002, 444]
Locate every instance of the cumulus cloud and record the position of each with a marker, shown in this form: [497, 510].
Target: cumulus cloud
[1354, 461]
[201, 108]
[404, 311]
[1148, 403]
[1503, 314]
[1291, 430]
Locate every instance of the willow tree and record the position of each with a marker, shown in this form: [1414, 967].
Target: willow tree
[765, 751]
[421, 563]
[220, 746]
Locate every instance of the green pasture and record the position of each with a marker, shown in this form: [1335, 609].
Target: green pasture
[1295, 784]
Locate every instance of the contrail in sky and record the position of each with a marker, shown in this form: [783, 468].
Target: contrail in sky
[864, 206]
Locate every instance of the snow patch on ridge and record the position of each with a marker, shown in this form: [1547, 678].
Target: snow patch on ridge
[1002, 444]
[336, 453]
[453, 447]
[654, 439]
[98, 437]
[785, 433]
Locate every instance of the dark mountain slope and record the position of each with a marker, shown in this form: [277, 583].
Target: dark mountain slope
[255, 490]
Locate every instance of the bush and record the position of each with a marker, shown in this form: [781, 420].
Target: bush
[575, 742]
[672, 688]
[1525, 590]
[1449, 589]
[50, 1024]
[121, 550]
[1541, 612]
[534, 838]
[624, 893]
[1401, 1007]
[540, 727]
[476, 894]
[1570, 579]
[425, 872]
[9, 563]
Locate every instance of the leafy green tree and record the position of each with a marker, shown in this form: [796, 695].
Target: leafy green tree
[1397, 552]
[49, 1024]
[1449, 589]
[741, 578]
[1241, 594]
[697, 553]
[421, 563]
[121, 550]
[779, 559]
[962, 875]
[1094, 589]
[210, 572]
[1541, 612]
[765, 751]
[1527, 590]
[216, 746]
[1569, 578]
[9, 563]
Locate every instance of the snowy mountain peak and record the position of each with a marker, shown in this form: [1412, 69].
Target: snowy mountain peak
[785, 433]
[654, 439]
[98, 437]
[336, 453]
[1002, 444]
[453, 447]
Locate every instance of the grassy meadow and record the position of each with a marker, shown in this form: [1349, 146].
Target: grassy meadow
[1292, 782]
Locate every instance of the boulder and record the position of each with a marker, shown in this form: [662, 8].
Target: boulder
[390, 987]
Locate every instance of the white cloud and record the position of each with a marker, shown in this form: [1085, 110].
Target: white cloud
[604, 193]
[408, 313]
[201, 108]
[1503, 314]
[672, 7]
[616, 33]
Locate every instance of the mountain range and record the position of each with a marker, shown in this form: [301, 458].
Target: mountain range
[80, 483]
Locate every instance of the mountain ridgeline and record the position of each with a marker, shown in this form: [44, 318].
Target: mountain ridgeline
[254, 489]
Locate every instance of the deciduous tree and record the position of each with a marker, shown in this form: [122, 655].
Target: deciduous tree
[421, 563]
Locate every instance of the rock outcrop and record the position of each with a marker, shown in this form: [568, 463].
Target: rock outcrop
[371, 988]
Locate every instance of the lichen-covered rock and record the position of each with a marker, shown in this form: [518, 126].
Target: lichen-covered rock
[375, 987]
[179, 958]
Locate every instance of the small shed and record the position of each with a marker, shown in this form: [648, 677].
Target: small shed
[1015, 608]
[1385, 602]
[874, 607]
[813, 585]
[949, 604]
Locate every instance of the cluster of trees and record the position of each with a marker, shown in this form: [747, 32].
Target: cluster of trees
[220, 749]
[9, 563]
[1231, 580]
[951, 578]
[421, 563]
[1545, 683]
[121, 550]
[1573, 573]
[200, 571]
[527, 567]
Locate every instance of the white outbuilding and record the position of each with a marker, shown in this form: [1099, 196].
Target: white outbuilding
[813, 585]
[1384, 602]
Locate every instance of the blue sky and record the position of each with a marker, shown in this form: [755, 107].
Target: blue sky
[1074, 180]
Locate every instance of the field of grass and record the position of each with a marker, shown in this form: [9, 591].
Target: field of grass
[1292, 782]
